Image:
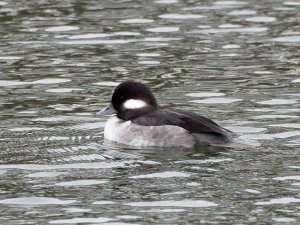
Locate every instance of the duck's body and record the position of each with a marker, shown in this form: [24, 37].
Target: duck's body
[133, 134]
[139, 122]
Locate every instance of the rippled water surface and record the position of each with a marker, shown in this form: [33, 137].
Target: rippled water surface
[236, 62]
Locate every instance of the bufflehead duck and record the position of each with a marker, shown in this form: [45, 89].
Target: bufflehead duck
[137, 121]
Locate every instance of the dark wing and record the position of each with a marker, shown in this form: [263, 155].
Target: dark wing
[192, 122]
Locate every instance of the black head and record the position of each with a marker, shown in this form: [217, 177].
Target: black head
[131, 99]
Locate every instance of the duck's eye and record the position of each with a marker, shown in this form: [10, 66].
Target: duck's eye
[122, 97]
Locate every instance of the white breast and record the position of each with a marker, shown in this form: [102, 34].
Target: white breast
[125, 132]
[115, 127]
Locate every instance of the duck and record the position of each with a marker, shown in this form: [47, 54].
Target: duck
[137, 120]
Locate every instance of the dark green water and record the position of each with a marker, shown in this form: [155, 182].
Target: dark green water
[236, 62]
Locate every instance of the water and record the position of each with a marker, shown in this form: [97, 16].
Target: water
[236, 62]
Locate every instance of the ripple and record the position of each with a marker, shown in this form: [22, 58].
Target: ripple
[64, 107]
[81, 183]
[289, 32]
[284, 219]
[42, 81]
[160, 39]
[88, 36]
[182, 203]
[239, 129]
[284, 8]
[51, 81]
[163, 29]
[125, 33]
[193, 184]
[46, 174]
[104, 203]
[294, 167]
[229, 25]
[231, 46]
[293, 94]
[287, 125]
[148, 162]
[61, 28]
[94, 42]
[262, 72]
[98, 165]
[252, 191]
[10, 57]
[89, 126]
[232, 30]
[181, 16]
[230, 3]
[229, 55]
[63, 118]
[36, 201]
[166, 1]
[296, 81]
[5, 83]
[90, 157]
[63, 90]
[286, 200]
[204, 26]
[278, 102]
[294, 3]
[28, 112]
[217, 100]
[147, 54]
[241, 12]
[287, 39]
[2, 172]
[95, 35]
[84, 114]
[282, 135]
[204, 94]
[206, 161]
[168, 174]
[107, 83]
[134, 21]
[163, 210]
[261, 19]
[149, 62]
[76, 210]
[274, 117]
[128, 217]
[287, 134]
[287, 178]
[257, 137]
[81, 220]
[54, 138]
[22, 129]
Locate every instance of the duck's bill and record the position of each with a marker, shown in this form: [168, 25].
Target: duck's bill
[107, 111]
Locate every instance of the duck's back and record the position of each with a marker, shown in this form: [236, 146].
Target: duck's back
[204, 131]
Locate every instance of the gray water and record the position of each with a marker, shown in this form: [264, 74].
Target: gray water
[236, 62]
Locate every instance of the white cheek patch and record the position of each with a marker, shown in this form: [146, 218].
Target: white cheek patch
[134, 104]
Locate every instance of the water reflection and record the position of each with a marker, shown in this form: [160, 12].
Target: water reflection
[233, 61]
[36, 201]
